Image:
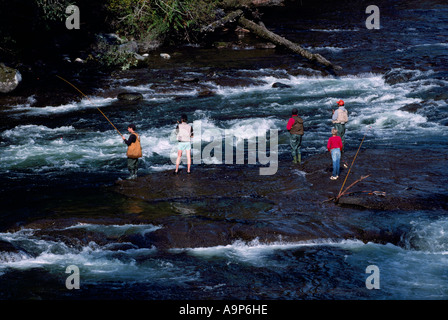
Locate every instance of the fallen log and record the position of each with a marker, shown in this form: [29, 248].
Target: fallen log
[264, 33]
[260, 30]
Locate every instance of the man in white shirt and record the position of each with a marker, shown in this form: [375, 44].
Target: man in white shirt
[184, 134]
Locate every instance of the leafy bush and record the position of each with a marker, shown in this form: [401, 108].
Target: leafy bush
[110, 56]
[161, 19]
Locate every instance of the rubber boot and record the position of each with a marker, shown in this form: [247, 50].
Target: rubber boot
[299, 158]
[294, 160]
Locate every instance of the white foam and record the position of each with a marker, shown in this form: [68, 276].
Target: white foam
[430, 237]
[35, 131]
[256, 251]
[117, 230]
[86, 103]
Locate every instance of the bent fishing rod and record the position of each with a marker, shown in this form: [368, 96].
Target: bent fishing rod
[91, 103]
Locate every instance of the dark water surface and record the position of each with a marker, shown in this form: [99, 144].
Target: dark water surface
[58, 163]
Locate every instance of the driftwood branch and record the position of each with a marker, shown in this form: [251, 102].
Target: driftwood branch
[336, 199]
[346, 189]
[261, 31]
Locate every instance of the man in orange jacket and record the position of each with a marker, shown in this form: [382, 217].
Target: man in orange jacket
[134, 151]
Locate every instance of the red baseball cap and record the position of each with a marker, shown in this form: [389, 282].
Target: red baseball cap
[340, 102]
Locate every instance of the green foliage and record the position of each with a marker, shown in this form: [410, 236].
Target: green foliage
[111, 56]
[160, 19]
[52, 10]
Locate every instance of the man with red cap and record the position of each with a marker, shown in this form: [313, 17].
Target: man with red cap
[339, 119]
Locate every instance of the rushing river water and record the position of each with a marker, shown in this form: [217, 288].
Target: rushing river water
[56, 161]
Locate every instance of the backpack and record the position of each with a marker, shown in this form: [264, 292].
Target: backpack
[297, 127]
[342, 116]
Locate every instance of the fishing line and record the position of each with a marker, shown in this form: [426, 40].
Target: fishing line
[325, 92]
[90, 102]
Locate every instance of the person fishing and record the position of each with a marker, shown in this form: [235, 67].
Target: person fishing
[334, 146]
[184, 133]
[295, 128]
[339, 119]
[134, 151]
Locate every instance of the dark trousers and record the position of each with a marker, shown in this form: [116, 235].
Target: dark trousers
[132, 165]
[295, 141]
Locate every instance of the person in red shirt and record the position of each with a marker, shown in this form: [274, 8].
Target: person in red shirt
[334, 146]
[295, 128]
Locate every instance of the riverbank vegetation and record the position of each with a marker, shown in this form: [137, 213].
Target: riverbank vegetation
[166, 20]
[38, 25]
[114, 34]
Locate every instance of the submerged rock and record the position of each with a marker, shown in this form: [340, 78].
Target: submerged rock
[206, 93]
[130, 96]
[412, 107]
[395, 76]
[280, 85]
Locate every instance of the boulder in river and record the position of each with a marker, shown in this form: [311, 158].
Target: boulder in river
[9, 78]
[206, 93]
[280, 85]
[412, 107]
[395, 76]
[130, 96]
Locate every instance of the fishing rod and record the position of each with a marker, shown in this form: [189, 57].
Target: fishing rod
[91, 103]
[353, 161]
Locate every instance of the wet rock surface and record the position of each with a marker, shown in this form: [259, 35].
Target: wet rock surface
[286, 205]
[220, 204]
[397, 181]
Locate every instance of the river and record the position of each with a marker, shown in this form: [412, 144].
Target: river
[58, 162]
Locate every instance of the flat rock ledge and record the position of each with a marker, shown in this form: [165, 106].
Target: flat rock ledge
[398, 180]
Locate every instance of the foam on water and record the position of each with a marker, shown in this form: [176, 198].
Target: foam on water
[258, 253]
[97, 263]
[85, 103]
[402, 274]
[117, 230]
